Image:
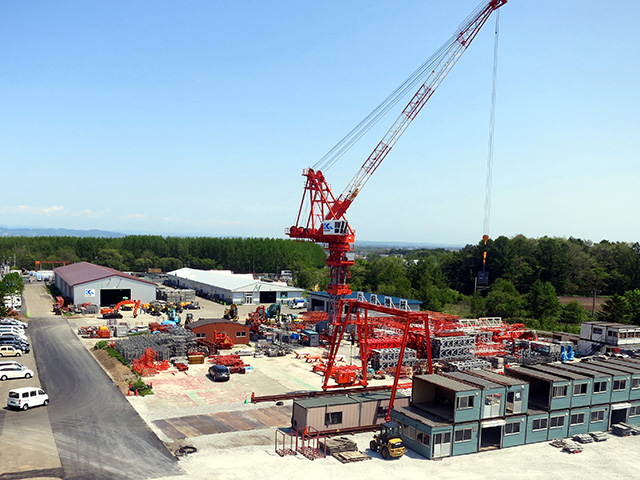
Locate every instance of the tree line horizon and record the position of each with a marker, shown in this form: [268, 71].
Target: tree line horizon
[526, 274]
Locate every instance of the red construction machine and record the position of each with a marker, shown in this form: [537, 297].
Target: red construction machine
[114, 312]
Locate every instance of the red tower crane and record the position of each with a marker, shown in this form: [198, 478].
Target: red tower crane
[325, 220]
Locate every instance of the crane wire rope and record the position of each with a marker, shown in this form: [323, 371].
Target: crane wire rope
[492, 121]
[409, 84]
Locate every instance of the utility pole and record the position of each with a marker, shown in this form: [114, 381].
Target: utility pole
[593, 308]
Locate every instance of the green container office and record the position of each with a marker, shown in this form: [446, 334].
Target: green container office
[517, 390]
[449, 399]
[601, 389]
[465, 438]
[579, 420]
[537, 426]
[581, 384]
[620, 381]
[633, 416]
[493, 394]
[632, 369]
[558, 426]
[423, 433]
[599, 418]
[546, 391]
[514, 431]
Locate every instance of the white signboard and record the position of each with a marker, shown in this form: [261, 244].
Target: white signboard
[89, 292]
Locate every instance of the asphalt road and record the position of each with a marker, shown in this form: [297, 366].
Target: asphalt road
[98, 434]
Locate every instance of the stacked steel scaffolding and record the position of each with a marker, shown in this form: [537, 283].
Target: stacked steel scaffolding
[384, 358]
[176, 343]
[461, 365]
[456, 347]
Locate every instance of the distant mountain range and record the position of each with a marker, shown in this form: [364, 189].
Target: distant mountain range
[416, 245]
[55, 232]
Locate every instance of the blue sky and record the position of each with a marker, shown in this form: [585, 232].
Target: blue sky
[197, 117]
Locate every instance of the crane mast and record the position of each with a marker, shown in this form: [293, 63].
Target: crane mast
[325, 221]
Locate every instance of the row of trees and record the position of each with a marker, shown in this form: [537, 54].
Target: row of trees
[141, 252]
[527, 275]
[10, 284]
[573, 266]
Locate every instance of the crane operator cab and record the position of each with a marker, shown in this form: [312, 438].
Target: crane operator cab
[388, 441]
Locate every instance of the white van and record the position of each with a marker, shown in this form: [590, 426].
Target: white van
[27, 397]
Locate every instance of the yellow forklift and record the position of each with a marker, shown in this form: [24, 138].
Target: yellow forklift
[387, 441]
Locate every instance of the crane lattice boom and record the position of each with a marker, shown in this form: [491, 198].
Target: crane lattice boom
[325, 214]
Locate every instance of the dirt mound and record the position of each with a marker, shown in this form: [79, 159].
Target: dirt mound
[120, 373]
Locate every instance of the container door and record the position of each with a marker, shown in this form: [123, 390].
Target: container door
[491, 407]
[442, 445]
[514, 402]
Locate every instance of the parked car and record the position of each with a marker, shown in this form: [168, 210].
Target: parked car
[219, 373]
[15, 371]
[27, 397]
[12, 331]
[13, 336]
[13, 321]
[9, 351]
[17, 343]
[4, 363]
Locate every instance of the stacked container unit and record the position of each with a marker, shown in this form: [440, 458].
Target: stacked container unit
[601, 390]
[492, 410]
[423, 433]
[581, 384]
[625, 367]
[546, 391]
[550, 398]
[621, 381]
[580, 393]
[447, 398]
[516, 405]
[453, 402]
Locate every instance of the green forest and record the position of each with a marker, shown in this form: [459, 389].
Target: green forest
[526, 275]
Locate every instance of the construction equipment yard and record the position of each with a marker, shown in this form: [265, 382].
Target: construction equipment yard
[235, 438]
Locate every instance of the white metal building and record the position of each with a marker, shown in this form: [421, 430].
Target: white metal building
[223, 285]
[601, 337]
[88, 283]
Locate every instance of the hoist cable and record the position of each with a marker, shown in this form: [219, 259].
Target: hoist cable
[492, 121]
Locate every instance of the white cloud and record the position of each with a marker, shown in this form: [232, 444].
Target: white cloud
[135, 216]
[30, 210]
[88, 213]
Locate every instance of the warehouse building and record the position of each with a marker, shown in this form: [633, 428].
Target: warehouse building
[228, 287]
[88, 283]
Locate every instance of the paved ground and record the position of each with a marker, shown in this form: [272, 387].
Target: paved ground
[97, 433]
[235, 440]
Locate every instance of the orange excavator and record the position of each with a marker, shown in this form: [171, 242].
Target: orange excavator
[114, 312]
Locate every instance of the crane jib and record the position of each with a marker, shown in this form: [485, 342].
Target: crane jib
[323, 220]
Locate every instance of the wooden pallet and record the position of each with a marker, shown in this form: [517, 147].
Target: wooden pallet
[349, 457]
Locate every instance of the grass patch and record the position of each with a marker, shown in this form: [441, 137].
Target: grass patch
[139, 385]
